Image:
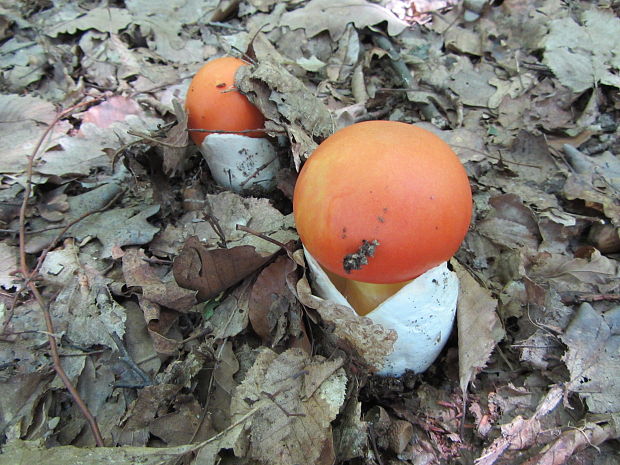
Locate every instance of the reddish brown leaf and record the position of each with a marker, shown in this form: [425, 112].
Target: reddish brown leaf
[273, 311]
[212, 271]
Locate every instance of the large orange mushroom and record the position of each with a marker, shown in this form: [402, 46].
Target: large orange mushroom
[379, 203]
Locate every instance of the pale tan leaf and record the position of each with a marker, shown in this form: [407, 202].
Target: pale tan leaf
[479, 326]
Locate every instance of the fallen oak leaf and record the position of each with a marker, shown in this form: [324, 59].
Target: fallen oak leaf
[321, 15]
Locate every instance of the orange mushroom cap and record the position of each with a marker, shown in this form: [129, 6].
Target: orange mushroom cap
[214, 103]
[392, 185]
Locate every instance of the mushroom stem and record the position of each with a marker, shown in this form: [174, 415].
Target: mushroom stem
[364, 297]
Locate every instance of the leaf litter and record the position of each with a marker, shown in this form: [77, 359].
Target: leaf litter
[184, 314]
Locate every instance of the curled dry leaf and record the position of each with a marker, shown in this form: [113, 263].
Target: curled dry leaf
[212, 271]
[367, 342]
[272, 305]
[159, 321]
[479, 326]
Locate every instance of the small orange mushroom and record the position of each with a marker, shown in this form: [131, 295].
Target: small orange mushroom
[379, 203]
[214, 103]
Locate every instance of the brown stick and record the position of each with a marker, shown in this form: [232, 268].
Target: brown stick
[29, 275]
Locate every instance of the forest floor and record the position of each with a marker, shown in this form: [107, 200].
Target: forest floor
[139, 317]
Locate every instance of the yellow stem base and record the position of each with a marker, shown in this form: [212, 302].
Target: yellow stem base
[364, 297]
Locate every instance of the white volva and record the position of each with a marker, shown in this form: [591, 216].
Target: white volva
[241, 163]
[422, 314]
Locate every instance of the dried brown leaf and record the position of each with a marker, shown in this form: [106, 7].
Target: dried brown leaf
[592, 359]
[21, 394]
[177, 140]
[114, 109]
[287, 101]
[596, 273]
[212, 271]
[8, 265]
[151, 402]
[287, 427]
[177, 427]
[479, 327]
[511, 224]
[270, 300]
[231, 316]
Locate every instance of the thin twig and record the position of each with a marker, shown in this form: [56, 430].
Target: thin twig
[244, 131]
[240, 227]
[257, 172]
[155, 141]
[502, 159]
[126, 358]
[28, 276]
[60, 370]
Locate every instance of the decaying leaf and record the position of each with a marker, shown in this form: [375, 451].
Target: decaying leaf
[231, 316]
[511, 223]
[212, 271]
[114, 109]
[84, 307]
[597, 182]
[294, 406]
[351, 435]
[322, 15]
[593, 273]
[217, 219]
[581, 56]
[21, 394]
[23, 121]
[479, 326]
[285, 99]
[271, 300]
[593, 357]
[104, 19]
